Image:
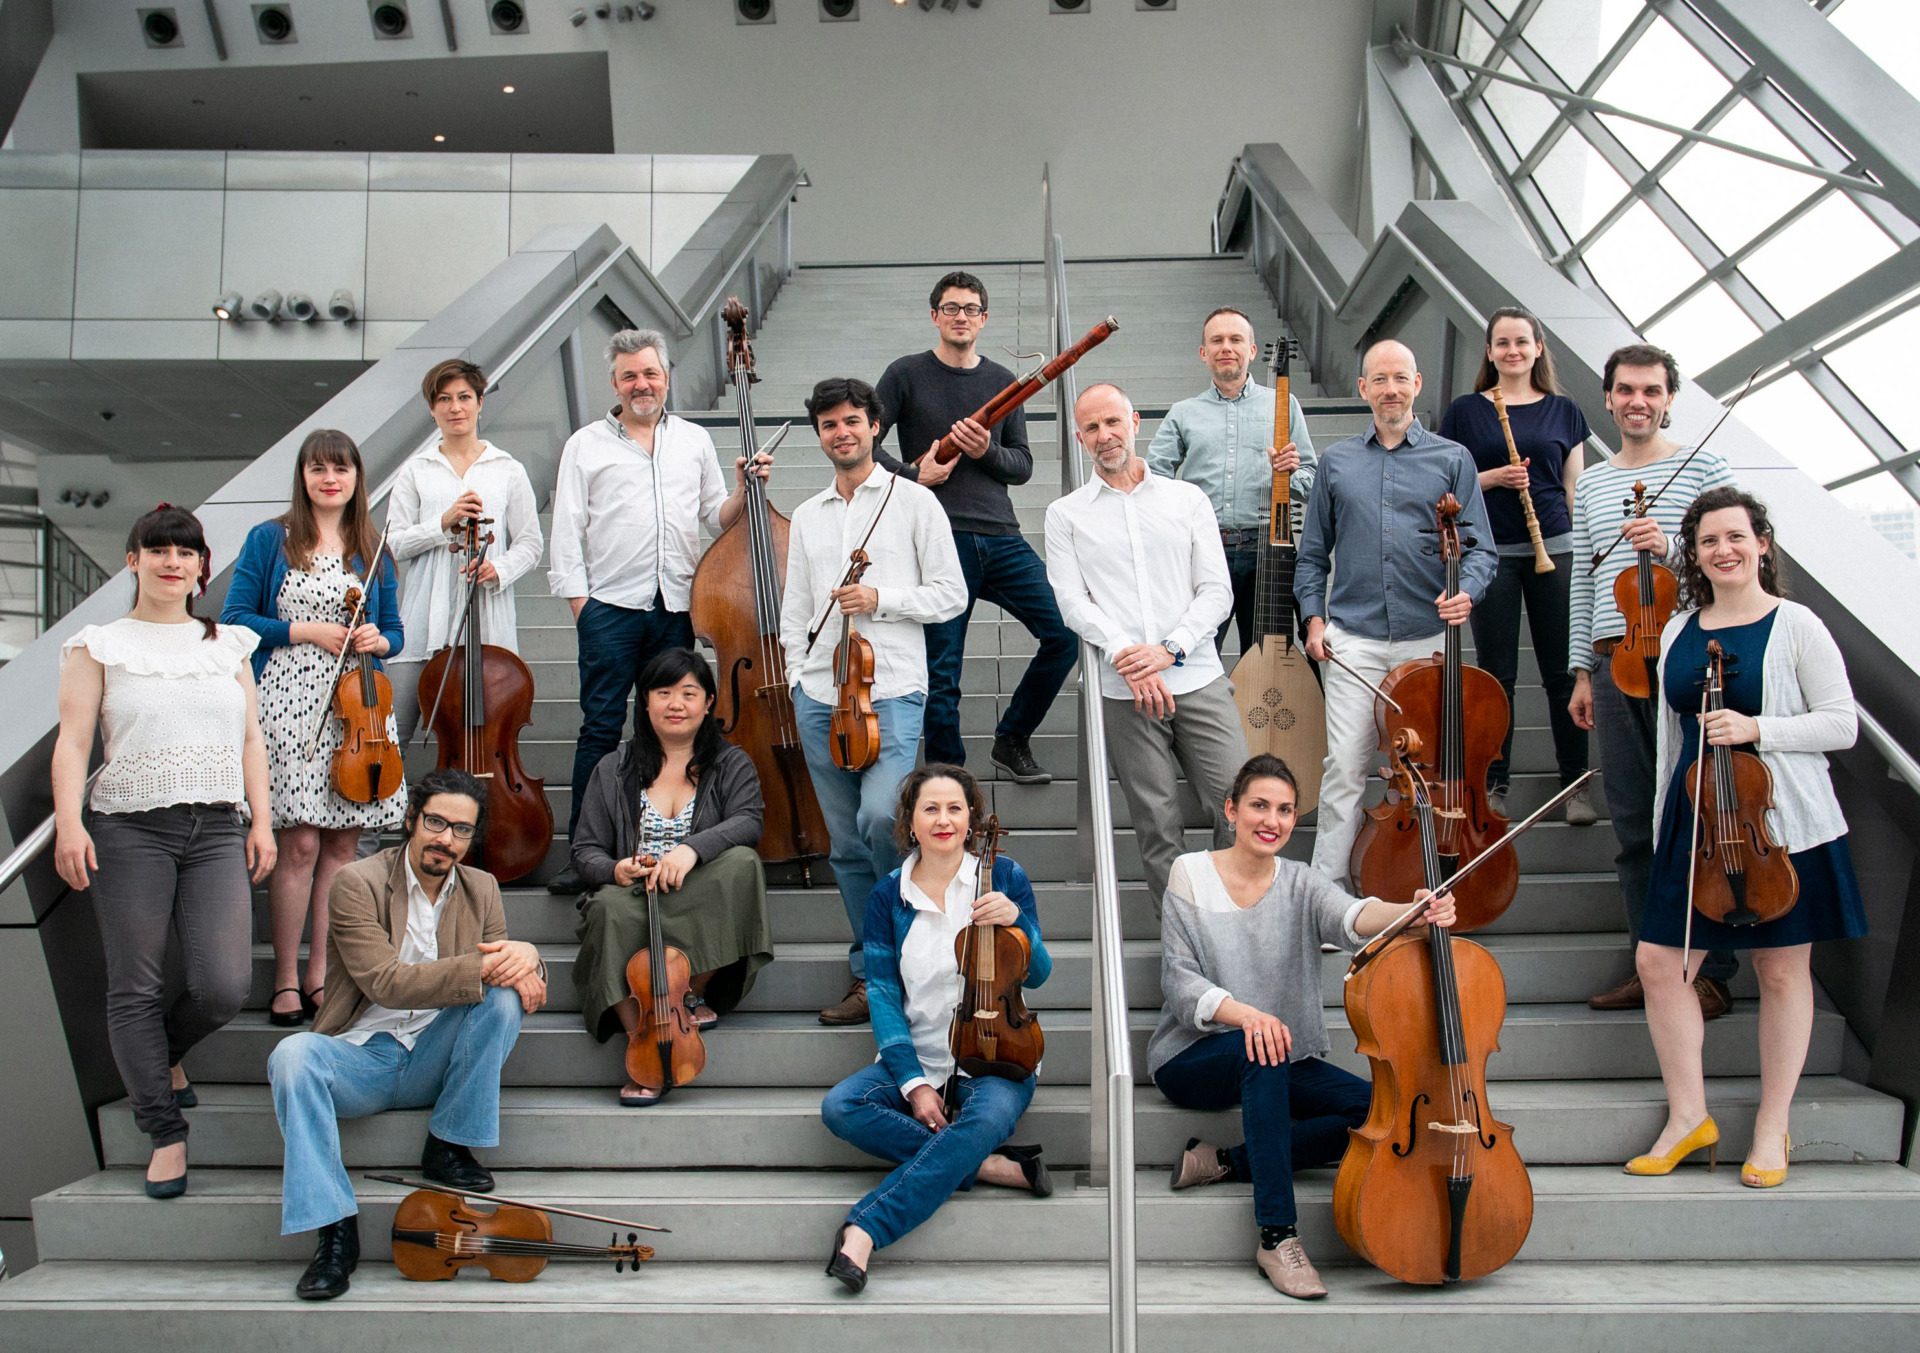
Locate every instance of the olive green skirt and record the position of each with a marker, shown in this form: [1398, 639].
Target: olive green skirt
[718, 918]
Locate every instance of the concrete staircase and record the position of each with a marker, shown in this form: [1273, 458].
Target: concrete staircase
[753, 1186]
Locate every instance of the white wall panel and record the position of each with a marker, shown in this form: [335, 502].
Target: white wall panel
[425, 248]
[141, 340]
[295, 241]
[148, 253]
[380, 337]
[36, 278]
[676, 216]
[630, 215]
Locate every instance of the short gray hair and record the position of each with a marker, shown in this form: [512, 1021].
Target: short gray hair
[629, 341]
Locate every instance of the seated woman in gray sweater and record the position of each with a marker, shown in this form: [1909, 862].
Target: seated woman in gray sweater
[1240, 939]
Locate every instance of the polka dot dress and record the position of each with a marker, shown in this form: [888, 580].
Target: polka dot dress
[294, 687]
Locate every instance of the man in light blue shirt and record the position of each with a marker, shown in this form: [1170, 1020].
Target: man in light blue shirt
[1222, 441]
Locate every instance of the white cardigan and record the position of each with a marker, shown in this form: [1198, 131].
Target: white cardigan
[1806, 711]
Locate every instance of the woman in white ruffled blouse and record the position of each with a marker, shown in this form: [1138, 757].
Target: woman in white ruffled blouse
[160, 843]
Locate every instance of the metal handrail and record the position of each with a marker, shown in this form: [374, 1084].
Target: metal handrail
[1899, 760]
[1238, 171]
[1111, 1010]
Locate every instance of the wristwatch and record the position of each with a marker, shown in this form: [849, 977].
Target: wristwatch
[1179, 653]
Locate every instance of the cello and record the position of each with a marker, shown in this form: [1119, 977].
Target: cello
[993, 1033]
[437, 1232]
[1462, 711]
[476, 724]
[737, 591]
[1645, 596]
[1430, 1189]
[665, 1049]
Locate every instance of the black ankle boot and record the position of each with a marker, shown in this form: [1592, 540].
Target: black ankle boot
[334, 1259]
[452, 1164]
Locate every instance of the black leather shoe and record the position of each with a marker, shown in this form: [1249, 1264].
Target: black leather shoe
[334, 1260]
[452, 1164]
[567, 882]
[1034, 1168]
[288, 1019]
[1015, 757]
[843, 1268]
[164, 1189]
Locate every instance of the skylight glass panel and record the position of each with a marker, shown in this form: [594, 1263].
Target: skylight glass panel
[1705, 329]
[1792, 418]
[1640, 264]
[1523, 115]
[1831, 245]
[1731, 196]
[1880, 367]
[1662, 77]
[1574, 34]
[1579, 185]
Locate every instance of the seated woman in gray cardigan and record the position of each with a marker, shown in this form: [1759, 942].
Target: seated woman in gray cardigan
[681, 793]
[1240, 937]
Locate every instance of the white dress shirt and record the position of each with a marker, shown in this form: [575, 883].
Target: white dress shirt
[930, 982]
[1141, 568]
[626, 523]
[420, 944]
[435, 593]
[915, 571]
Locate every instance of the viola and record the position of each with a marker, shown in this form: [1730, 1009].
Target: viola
[992, 1033]
[1430, 1189]
[853, 736]
[1740, 874]
[737, 593]
[366, 765]
[1645, 596]
[666, 1049]
[1462, 711]
[438, 1231]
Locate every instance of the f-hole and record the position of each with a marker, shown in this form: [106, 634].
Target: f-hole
[733, 694]
[1413, 1126]
[1485, 1137]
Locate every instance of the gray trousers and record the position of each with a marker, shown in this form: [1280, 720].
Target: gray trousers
[179, 868]
[1201, 739]
[1626, 727]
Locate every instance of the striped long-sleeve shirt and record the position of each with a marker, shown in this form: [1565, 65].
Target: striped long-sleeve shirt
[1599, 509]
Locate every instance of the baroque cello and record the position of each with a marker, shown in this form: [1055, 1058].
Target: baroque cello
[437, 1232]
[737, 590]
[993, 1033]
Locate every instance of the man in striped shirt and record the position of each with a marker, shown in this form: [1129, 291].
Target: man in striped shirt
[1641, 381]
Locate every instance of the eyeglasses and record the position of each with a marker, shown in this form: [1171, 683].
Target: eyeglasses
[435, 824]
[953, 309]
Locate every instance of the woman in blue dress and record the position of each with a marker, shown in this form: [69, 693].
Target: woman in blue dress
[1787, 699]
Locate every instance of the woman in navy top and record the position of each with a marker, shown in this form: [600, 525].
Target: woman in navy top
[1548, 431]
[288, 587]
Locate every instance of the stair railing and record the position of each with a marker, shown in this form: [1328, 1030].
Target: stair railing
[1110, 1086]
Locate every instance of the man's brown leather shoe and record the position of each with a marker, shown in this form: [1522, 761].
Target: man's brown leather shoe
[852, 1008]
[1199, 1164]
[1629, 995]
[1290, 1271]
[1715, 999]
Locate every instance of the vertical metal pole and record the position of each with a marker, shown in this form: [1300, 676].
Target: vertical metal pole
[786, 242]
[573, 376]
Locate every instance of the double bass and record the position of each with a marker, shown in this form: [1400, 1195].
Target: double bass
[737, 591]
[992, 1033]
[1646, 596]
[1461, 711]
[437, 1231]
[666, 1048]
[476, 722]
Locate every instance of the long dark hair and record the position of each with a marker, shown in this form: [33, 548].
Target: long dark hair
[173, 527]
[909, 799]
[670, 669]
[329, 446]
[1542, 373]
[1695, 588]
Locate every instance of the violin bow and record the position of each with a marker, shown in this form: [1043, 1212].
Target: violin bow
[872, 526]
[1693, 851]
[1601, 557]
[340, 659]
[1373, 948]
[1392, 703]
[406, 1183]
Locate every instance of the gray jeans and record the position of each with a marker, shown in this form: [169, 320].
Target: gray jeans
[1202, 739]
[178, 868]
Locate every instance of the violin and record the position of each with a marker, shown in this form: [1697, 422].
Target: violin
[1740, 874]
[737, 592]
[476, 722]
[366, 765]
[437, 1232]
[666, 1049]
[854, 734]
[1645, 596]
[1430, 1189]
[1462, 711]
[993, 1033]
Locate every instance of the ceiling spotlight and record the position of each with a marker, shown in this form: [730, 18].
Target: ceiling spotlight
[300, 306]
[265, 306]
[340, 305]
[645, 10]
[389, 19]
[507, 17]
[228, 306]
[578, 18]
[752, 11]
[839, 11]
[439, 136]
[506, 89]
[160, 28]
[273, 24]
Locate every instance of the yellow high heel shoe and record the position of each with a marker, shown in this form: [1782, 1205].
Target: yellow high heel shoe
[1707, 1135]
[1755, 1178]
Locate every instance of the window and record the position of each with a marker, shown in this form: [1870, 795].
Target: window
[1732, 197]
[1802, 427]
[1663, 77]
[1640, 263]
[1833, 243]
[1705, 329]
[1879, 368]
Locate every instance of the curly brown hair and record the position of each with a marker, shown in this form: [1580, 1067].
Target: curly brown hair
[1695, 588]
[910, 799]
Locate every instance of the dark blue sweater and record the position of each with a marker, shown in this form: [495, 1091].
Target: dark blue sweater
[1545, 433]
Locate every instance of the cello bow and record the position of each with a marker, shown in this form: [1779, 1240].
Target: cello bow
[406, 1183]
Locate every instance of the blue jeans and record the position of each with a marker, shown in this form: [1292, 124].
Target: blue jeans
[318, 1080]
[868, 1110]
[615, 644]
[1243, 568]
[1294, 1116]
[1005, 571]
[859, 807]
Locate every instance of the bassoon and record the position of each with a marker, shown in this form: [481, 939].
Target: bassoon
[1026, 387]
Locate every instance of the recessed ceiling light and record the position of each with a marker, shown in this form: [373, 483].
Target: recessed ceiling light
[438, 137]
[319, 385]
[506, 89]
[43, 382]
[233, 415]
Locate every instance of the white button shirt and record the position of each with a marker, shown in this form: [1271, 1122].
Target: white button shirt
[915, 571]
[1141, 568]
[432, 601]
[421, 944]
[626, 524]
[929, 973]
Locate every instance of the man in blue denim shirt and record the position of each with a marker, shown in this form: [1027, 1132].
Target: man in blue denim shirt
[1222, 441]
[1374, 507]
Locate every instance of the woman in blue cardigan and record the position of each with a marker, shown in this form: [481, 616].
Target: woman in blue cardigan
[894, 1108]
[289, 587]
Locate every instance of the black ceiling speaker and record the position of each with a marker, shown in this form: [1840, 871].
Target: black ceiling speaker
[1067, 7]
[1155, 4]
[507, 17]
[273, 24]
[389, 19]
[753, 11]
[160, 28]
[839, 11]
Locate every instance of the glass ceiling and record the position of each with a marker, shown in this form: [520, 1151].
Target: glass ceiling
[1702, 249]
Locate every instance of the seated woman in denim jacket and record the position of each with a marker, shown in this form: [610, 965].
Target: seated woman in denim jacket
[893, 1109]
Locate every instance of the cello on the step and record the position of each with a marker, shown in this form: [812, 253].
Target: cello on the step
[437, 1232]
[666, 1048]
[992, 1033]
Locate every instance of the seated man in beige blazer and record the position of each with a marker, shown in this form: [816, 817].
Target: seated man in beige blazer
[424, 998]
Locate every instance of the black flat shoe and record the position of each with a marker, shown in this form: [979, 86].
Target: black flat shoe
[1039, 1182]
[452, 1164]
[640, 1097]
[186, 1097]
[310, 1001]
[843, 1268]
[287, 1019]
[334, 1259]
[164, 1189]
[566, 883]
